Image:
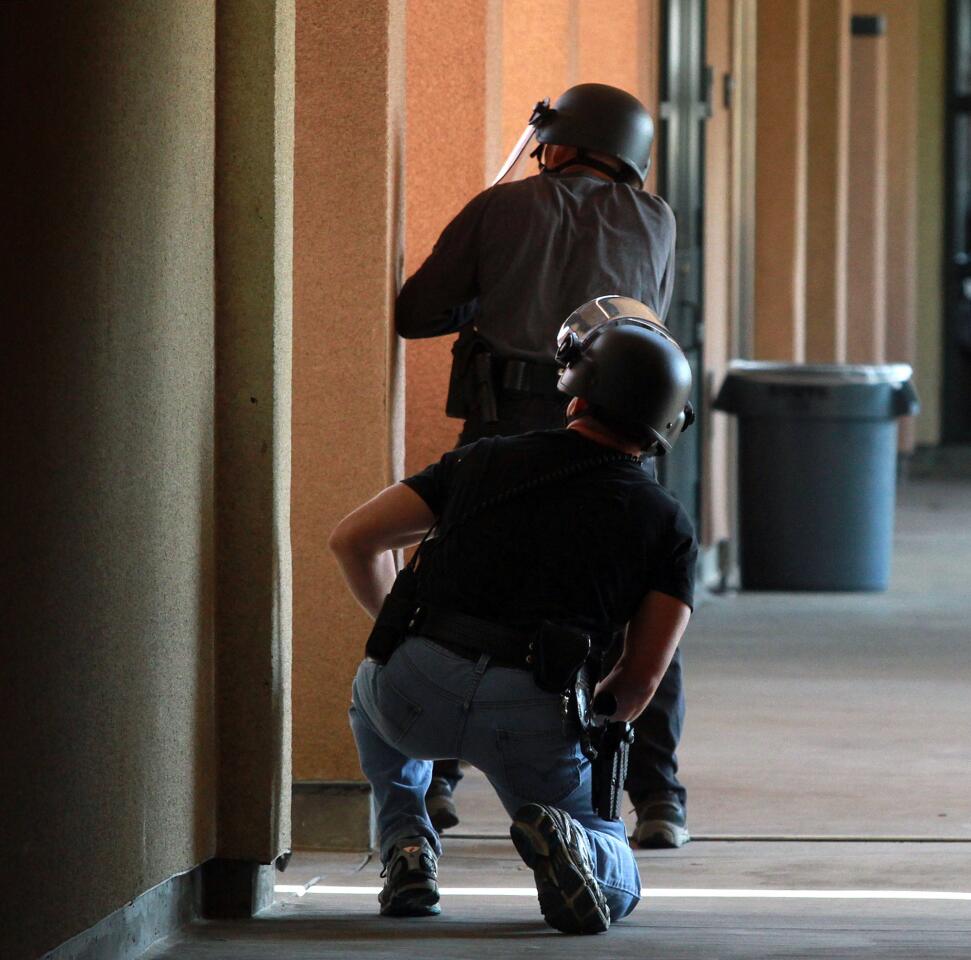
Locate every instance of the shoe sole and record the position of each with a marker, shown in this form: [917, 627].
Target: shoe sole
[570, 901]
[660, 835]
[413, 901]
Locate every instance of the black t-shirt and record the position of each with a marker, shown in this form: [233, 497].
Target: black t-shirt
[528, 253]
[583, 550]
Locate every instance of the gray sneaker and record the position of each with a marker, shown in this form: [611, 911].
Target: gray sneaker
[411, 884]
[660, 822]
[551, 843]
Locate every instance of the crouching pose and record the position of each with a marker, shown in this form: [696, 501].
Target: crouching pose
[544, 548]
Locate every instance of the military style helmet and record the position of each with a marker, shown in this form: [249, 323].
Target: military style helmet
[595, 116]
[622, 361]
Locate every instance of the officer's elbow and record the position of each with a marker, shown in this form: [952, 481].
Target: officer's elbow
[405, 323]
[345, 539]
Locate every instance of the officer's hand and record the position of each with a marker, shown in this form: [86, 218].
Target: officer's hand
[631, 698]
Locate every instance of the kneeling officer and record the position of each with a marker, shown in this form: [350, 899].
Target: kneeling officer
[542, 549]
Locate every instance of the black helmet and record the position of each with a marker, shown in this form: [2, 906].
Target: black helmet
[595, 116]
[629, 369]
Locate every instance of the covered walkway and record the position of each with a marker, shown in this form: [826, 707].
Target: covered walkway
[828, 761]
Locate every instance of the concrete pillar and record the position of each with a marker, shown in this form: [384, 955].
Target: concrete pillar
[348, 404]
[866, 215]
[827, 180]
[108, 752]
[780, 184]
[254, 229]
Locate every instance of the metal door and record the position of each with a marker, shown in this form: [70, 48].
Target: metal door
[685, 89]
[956, 419]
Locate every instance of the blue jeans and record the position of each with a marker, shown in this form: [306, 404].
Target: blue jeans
[428, 703]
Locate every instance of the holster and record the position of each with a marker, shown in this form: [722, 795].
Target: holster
[559, 652]
[605, 743]
[394, 618]
[471, 383]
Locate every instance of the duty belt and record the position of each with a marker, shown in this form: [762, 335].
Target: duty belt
[527, 377]
[470, 637]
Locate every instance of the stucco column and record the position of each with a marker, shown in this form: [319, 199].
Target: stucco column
[903, 44]
[827, 179]
[254, 228]
[932, 63]
[780, 184]
[348, 404]
[108, 751]
[866, 214]
[718, 276]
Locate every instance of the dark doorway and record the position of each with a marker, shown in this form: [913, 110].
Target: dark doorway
[685, 86]
[956, 420]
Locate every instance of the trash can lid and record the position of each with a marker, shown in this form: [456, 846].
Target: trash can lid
[821, 374]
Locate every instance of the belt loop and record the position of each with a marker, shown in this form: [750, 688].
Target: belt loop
[477, 672]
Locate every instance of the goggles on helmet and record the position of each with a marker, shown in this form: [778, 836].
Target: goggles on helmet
[602, 312]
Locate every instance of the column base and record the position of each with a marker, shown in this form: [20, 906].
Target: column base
[233, 889]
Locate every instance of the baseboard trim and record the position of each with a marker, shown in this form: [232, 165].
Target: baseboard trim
[333, 815]
[216, 889]
[128, 932]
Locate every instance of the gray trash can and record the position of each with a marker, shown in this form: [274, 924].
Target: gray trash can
[817, 471]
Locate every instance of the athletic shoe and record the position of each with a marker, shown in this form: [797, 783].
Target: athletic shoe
[660, 822]
[441, 805]
[411, 884]
[554, 846]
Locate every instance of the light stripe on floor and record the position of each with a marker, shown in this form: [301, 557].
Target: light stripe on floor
[657, 892]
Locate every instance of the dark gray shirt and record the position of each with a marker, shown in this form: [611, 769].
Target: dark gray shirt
[521, 257]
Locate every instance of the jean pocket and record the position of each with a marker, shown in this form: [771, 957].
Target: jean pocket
[398, 712]
[539, 765]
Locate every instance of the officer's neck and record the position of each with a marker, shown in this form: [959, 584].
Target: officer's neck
[606, 438]
[581, 169]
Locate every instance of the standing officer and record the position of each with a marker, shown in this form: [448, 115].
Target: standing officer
[540, 538]
[516, 258]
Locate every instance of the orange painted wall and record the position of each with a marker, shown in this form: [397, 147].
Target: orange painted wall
[446, 74]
